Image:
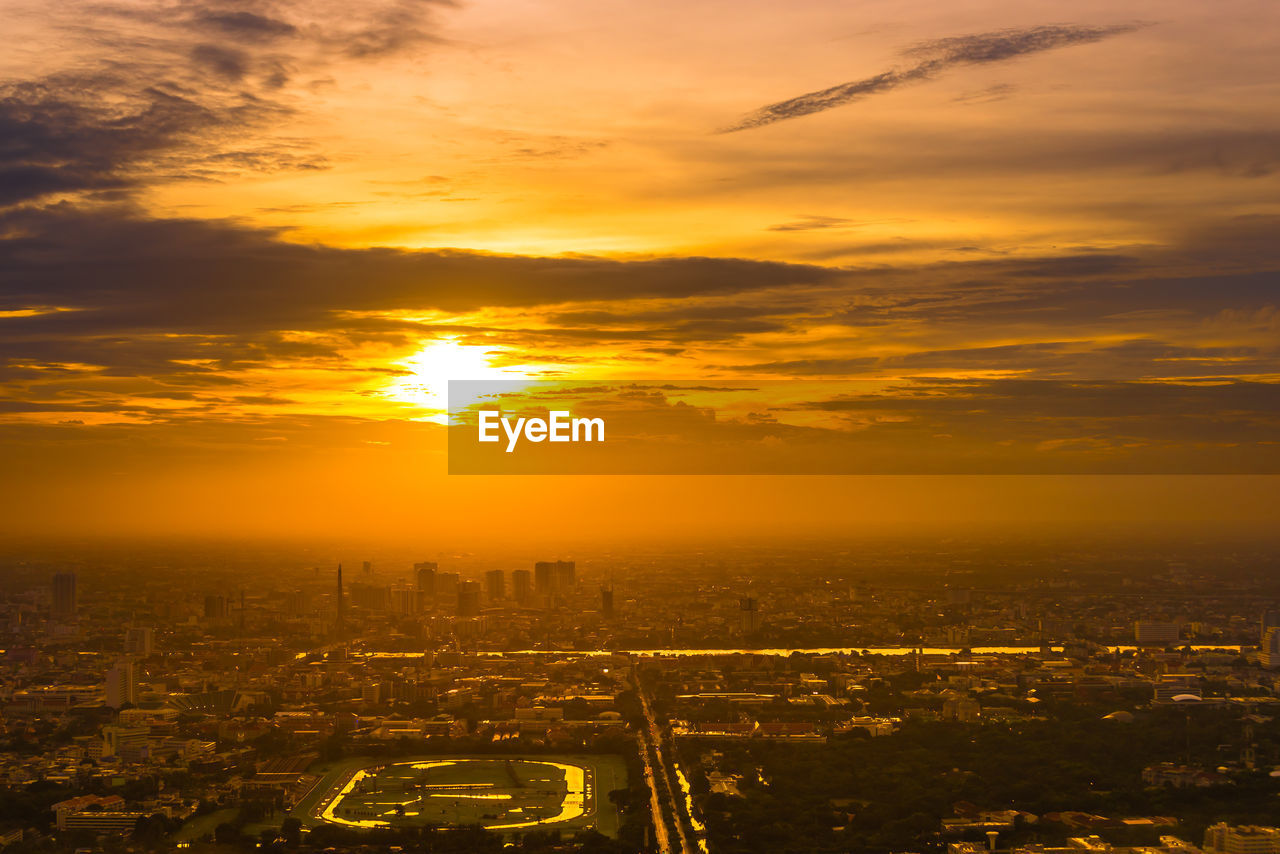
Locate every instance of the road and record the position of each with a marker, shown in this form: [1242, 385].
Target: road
[661, 775]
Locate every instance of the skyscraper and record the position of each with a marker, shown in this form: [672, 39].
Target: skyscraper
[425, 576]
[64, 595]
[122, 684]
[1269, 655]
[469, 599]
[606, 601]
[553, 576]
[544, 578]
[520, 586]
[749, 615]
[566, 574]
[340, 624]
[446, 588]
[495, 585]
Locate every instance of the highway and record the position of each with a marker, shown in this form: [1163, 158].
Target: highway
[660, 776]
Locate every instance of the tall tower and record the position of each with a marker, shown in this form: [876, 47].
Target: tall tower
[606, 601]
[64, 595]
[495, 585]
[544, 577]
[340, 626]
[749, 615]
[520, 586]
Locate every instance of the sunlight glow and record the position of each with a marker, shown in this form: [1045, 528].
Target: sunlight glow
[441, 360]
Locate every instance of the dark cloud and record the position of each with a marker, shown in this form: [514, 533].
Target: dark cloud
[931, 59]
[65, 135]
[678, 313]
[387, 30]
[242, 25]
[225, 62]
[185, 91]
[1145, 359]
[222, 294]
[148, 294]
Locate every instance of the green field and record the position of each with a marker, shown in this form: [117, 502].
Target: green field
[507, 794]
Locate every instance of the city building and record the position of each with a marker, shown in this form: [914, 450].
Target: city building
[139, 641]
[1222, 838]
[1269, 655]
[495, 585]
[64, 595]
[1153, 632]
[521, 586]
[469, 599]
[424, 574]
[122, 684]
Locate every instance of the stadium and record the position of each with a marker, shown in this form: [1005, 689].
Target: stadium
[499, 793]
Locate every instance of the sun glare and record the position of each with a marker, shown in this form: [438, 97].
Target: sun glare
[427, 386]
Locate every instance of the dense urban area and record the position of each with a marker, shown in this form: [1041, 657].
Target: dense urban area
[881, 696]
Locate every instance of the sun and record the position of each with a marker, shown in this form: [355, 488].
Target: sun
[441, 360]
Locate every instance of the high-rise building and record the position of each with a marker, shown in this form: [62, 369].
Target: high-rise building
[1269, 655]
[367, 567]
[446, 588]
[64, 595]
[139, 641]
[1270, 620]
[1155, 632]
[606, 601]
[748, 615]
[469, 599]
[340, 622]
[520, 586]
[425, 576]
[553, 576]
[215, 607]
[566, 574]
[544, 578]
[404, 600]
[371, 597]
[122, 684]
[495, 585]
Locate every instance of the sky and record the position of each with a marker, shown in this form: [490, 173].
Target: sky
[243, 245]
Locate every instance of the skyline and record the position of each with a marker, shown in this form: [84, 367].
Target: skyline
[243, 245]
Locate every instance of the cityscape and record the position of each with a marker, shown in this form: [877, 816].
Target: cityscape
[639, 427]
[884, 695]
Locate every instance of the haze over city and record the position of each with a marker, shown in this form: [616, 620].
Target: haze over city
[927, 357]
[245, 247]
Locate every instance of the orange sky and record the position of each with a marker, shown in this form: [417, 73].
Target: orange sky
[244, 242]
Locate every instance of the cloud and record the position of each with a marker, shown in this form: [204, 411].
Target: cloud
[926, 426]
[187, 91]
[813, 223]
[242, 25]
[931, 59]
[155, 297]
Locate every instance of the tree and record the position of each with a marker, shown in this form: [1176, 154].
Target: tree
[291, 830]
